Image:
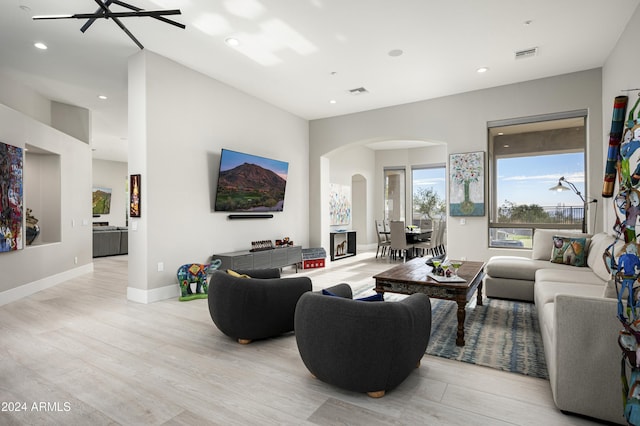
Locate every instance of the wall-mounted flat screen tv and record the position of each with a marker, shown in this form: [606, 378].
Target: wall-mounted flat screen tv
[101, 200]
[249, 183]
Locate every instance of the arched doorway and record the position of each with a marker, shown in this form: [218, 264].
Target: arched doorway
[359, 207]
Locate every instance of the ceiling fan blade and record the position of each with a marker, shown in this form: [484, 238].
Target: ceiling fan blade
[87, 24]
[104, 12]
[127, 32]
[39, 17]
[142, 14]
[160, 18]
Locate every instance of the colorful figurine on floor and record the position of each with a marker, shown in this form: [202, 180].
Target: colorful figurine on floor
[195, 273]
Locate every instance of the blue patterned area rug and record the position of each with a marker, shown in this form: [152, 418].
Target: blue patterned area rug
[501, 334]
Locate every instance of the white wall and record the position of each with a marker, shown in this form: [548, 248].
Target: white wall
[42, 194]
[19, 97]
[179, 120]
[36, 267]
[113, 174]
[344, 165]
[460, 121]
[72, 120]
[620, 72]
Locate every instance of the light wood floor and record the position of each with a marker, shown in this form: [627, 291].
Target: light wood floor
[86, 356]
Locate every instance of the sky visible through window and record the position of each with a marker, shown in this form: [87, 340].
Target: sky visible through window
[430, 178]
[526, 180]
[522, 180]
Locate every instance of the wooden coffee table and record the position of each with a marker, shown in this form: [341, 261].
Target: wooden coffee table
[411, 277]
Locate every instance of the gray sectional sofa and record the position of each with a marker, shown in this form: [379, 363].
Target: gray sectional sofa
[110, 241]
[576, 309]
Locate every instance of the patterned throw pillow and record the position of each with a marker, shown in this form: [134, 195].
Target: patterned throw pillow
[569, 251]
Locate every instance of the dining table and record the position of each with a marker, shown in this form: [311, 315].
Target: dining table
[418, 236]
[414, 236]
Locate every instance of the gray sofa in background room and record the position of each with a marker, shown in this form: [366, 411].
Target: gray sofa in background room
[110, 241]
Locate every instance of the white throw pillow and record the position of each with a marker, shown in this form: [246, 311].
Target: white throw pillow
[599, 243]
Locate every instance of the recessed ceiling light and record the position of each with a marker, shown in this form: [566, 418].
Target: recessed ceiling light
[40, 45]
[103, 97]
[500, 133]
[333, 101]
[232, 41]
[506, 145]
[482, 69]
[395, 52]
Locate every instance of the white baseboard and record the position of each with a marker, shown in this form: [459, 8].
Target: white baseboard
[153, 295]
[28, 289]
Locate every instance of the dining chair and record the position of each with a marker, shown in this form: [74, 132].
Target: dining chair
[399, 240]
[430, 245]
[383, 240]
[438, 246]
[442, 243]
[426, 224]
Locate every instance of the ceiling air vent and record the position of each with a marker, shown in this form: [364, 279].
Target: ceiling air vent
[526, 53]
[358, 91]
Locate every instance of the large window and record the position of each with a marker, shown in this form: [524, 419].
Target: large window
[527, 158]
[394, 193]
[429, 193]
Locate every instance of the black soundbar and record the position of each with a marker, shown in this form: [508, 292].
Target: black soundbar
[250, 216]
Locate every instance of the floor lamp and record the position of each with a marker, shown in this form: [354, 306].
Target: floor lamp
[560, 187]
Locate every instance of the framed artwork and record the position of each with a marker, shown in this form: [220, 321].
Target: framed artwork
[134, 196]
[466, 184]
[340, 204]
[11, 198]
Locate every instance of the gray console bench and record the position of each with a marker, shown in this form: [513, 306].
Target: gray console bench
[274, 258]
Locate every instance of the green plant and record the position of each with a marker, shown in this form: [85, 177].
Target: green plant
[428, 203]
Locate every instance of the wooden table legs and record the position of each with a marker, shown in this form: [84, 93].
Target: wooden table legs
[462, 313]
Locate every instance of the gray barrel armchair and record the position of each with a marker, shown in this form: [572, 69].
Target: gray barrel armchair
[361, 346]
[262, 306]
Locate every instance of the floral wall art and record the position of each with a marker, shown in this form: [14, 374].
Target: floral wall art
[466, 184]
[11, 229]
[340, 204]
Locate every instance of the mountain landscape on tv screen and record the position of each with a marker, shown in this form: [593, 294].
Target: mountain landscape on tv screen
[249, 187]
[101, 201]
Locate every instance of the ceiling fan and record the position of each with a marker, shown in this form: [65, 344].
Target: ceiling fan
[105, 13]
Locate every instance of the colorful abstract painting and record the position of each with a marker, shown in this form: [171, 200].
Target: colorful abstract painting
[340, 204]
[11, 229]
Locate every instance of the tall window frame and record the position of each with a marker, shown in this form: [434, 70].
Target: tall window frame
[438, 174]
[395, 183]
[543, 139]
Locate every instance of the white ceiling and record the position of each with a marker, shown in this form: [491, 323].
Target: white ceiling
[301, 54]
